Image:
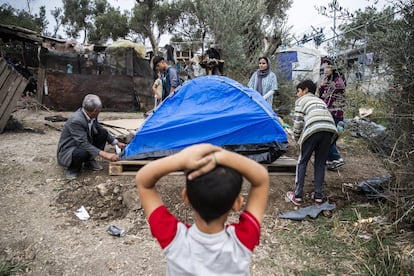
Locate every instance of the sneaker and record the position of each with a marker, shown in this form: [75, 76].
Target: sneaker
[71, 175]
[318, 201]
[93, 165]
[336, 164]
[295, 200]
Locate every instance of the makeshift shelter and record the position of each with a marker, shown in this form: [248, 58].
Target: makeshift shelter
[298, 63]
[211, 109]
[63, 72]
[119, 75]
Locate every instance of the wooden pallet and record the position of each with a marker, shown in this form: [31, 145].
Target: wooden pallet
[282, 166]
[12, 85]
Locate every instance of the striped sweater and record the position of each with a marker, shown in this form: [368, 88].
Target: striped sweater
[311, 116]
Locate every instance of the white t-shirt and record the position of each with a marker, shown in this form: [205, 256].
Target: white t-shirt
[192, 252]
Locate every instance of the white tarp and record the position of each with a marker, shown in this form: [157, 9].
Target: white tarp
[298, 63]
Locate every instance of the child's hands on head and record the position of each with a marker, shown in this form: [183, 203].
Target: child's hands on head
[198, 159]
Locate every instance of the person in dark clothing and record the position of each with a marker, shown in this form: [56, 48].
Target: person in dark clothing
[83, 139]
[332, 92]
[170, 54]
[212, 62]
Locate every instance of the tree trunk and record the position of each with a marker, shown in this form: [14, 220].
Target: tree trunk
[154, 44]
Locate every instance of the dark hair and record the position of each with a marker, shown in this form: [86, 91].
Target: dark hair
[214, 193]
[335, 72]
[156, 60]
[310, 85]
[267, 60]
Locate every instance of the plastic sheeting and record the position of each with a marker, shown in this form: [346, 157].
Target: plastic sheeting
[311, 211]
[298, 63]
[139, 48]
[376, 186]
[364, 128]
[211, 109]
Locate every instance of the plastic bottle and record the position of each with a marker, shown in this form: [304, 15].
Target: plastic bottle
[341, 126]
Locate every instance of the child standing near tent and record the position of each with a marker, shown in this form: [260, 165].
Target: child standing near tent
[314, 129]
[157, 89]
[213, 184]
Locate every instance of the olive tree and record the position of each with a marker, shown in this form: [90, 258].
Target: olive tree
[24, 19]
[77, 17]
[109, 23]
[389, 35]
[237, 27]
[153, 18]
[97, 19]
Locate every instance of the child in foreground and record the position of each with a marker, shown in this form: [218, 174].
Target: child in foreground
[214, 178]
[314, 129]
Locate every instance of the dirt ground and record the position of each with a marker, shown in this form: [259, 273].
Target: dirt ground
[39, 227]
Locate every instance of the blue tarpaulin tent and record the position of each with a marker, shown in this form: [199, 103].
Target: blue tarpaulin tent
[211, 109]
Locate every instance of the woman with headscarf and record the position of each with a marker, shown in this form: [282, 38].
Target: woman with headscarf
[332, 92]
[264, 80]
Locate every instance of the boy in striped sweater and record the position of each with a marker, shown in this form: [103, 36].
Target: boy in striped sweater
[314, 130]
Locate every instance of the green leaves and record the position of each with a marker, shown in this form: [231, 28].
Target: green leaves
[21, 18]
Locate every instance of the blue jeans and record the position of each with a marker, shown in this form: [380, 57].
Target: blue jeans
[333, 150]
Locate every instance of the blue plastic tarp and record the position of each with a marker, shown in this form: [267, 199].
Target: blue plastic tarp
[210, 109]
[285, 60]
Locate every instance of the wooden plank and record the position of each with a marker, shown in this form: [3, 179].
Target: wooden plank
[121, 134]
[130, 124]
[8, 91]
[116, 132]
[126, 167]
[16, 92]
[3, 66]
[12, 84]
[124, 128]
[5, 82]
[41, 75]
[129, 167]
[282, 166]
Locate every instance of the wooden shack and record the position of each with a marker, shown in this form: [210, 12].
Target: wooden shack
[66, 71]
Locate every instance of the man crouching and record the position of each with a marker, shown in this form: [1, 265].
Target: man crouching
[83, 139]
